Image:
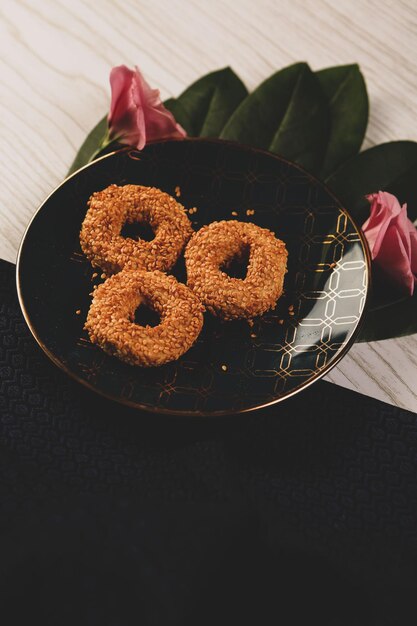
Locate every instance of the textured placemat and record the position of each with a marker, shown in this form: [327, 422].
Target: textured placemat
[303, 511]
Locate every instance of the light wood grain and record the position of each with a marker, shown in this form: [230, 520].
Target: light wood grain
[55, 57]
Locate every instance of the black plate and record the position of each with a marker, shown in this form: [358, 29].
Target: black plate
[282, 353]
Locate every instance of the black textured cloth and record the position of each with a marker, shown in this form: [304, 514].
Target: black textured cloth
[302, 513]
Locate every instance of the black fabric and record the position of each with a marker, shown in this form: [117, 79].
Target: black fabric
[301, 513]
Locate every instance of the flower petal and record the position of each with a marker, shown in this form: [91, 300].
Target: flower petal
[137, 114]
[392, 239]
[394, 261]
[120, 80]
[384, 206]
[413, 247]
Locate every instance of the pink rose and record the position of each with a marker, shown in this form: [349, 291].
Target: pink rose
[392, 239]
[137, 115]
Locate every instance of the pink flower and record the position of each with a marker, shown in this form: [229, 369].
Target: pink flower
[137, 115]
[392, 239]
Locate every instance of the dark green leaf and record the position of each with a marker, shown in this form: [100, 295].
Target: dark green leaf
[394, 320]
[391, 167]
[386, 300]
[287, 114]
[177, 110]
[388, 167]
[204, 108]
[345, 90]
[90, 146]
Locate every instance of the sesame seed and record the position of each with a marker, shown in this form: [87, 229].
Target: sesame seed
[110, 322]
[224, 368]
[77, 312]
[110, 209]
[231, 298]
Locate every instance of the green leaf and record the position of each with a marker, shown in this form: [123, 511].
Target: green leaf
[177, 110]
[345, 89]
[394, 320]
[384, 318]
[287, 114]
[204, 108]
[388, 167]
[90, 146]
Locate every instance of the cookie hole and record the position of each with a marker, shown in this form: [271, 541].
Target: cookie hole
[138, 230]
[145, 316]
[237, 266]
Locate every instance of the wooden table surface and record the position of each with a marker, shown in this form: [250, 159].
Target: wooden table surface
[55, 57]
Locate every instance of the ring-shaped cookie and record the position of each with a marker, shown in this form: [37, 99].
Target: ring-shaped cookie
[211, 250]
[108, 211]
[110, 321]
